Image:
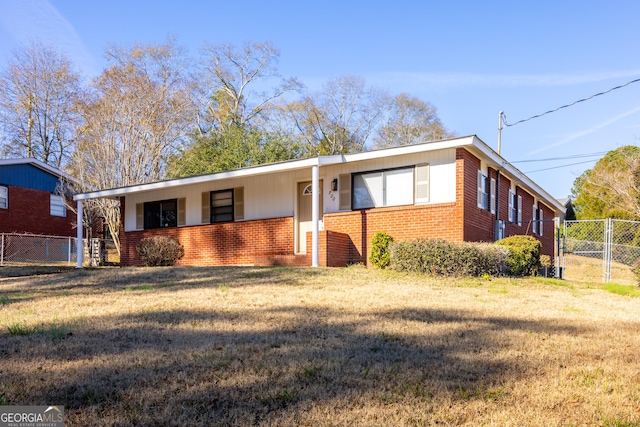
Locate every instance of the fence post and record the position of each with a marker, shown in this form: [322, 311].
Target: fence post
[69, 253]
[608, 241]
[2, 251]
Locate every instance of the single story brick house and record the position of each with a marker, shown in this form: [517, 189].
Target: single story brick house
[324, 211]
[28, 200]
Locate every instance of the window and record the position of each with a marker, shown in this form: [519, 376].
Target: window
[4, 197]
[384, 188]
[222, 206]
[56, 206]
[538, 220]
[483, 191]
[161, 214]
[513, 206]
[486, 193]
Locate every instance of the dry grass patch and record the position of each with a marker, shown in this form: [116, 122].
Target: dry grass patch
[280, 346]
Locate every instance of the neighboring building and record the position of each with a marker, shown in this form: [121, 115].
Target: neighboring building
[457, 189]
[569, 214]
[28, 200]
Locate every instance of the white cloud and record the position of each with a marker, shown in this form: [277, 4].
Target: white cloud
[27, 21]
[585, 132]
[460, 80]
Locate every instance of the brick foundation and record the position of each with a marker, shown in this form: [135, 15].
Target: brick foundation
[233, 243]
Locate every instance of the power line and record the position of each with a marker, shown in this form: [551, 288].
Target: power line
[550, 159]
[504, 118]
[561, 166]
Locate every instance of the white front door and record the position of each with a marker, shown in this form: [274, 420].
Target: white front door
[305, 224]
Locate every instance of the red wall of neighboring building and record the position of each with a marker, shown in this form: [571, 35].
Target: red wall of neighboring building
[29, 212]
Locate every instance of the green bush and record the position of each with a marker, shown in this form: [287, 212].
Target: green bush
[157, 251]
[380, 256]
[440, 257]
[524, 254]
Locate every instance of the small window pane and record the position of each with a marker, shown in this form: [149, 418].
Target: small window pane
[368, 190]
[57, 207]
[4, 197]
[399, 187]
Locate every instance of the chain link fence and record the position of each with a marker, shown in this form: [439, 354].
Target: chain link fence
[604, 249]
[31, 249]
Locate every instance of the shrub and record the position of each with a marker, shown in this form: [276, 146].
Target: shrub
[440, 257]
[159, 251]
[380, 256]
[524, 254]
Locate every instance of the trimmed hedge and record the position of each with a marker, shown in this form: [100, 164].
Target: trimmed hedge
[158, 251]
[524, 254]
[440, 257]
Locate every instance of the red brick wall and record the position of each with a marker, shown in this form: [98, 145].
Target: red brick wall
[441, 221]
[29, 212]
[478, 222]
[479, 225]
[233, 243]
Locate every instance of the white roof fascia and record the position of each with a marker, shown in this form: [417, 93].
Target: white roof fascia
[409, 149]
[501, 163]
[277, 167]
[238, 173]
[473, 141]
[39, 164]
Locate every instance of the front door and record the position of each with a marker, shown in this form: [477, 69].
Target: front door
[305, 214]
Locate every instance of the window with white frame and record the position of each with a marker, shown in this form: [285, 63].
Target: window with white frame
[515, 207]
[4, 197]
[534, 219]
[486, 192]
[540, 217]
[56, 205]
[383, 188]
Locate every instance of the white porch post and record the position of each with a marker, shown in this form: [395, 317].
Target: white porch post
[79, 246]
[315, 215]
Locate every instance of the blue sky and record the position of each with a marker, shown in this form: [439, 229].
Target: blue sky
[470, 59]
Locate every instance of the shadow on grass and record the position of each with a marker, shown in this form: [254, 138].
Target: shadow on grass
[244, 367]
[103, 280]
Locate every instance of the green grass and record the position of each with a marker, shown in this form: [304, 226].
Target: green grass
[624, 290]
[21, 328]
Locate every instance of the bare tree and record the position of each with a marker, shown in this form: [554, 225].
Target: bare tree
[234, 76]
[340, 118]
[138, 113]
[409, 121]
[38, 93]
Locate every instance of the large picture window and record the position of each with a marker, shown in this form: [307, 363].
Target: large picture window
[384, 188]
[222, 206]
[161, 214]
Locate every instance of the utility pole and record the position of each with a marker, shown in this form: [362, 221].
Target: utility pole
[500, 130]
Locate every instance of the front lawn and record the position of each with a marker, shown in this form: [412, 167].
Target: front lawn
[285, 346]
